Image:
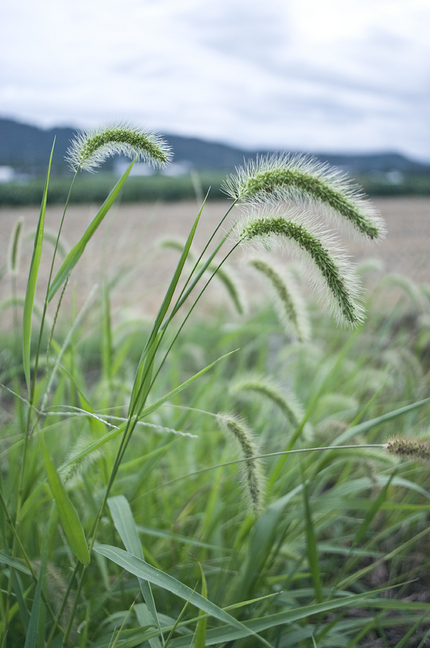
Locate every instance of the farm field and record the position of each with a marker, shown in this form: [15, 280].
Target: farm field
[126, 243]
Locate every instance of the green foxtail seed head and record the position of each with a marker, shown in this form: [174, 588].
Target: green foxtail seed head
[91, 148]
[287, 299]
[335, 278]
[405, 448]
[13, 256]
[252, 476]
[304, 180]
[252, 385]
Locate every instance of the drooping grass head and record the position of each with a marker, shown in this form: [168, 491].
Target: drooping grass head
[91, 148]
[323, 260]
[304, 180]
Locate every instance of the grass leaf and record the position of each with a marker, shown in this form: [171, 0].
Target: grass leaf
[142, 570]
[31, 636]
[312, 548]
[124, 523]
[76, 252]
[68, 516]
[32, 278]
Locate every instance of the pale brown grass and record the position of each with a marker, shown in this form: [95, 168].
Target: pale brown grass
[124, 245]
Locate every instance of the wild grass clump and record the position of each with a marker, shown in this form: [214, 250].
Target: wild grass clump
[122, 521]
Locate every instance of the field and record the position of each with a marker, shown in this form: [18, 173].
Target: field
[323, 543]
[126, 241]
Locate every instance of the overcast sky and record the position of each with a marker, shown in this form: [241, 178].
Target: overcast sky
[309, 75]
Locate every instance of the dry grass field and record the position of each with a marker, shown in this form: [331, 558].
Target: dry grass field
[124, 245]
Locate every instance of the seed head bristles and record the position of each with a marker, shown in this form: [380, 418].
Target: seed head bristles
[336, 277]
[286, 297]
[90, 149]
[304, 180]
[73, 472]
[405, 448]
[252, 476]
[13, 256]
[269, 390]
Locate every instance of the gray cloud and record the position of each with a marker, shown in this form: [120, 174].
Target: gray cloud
[268, 75]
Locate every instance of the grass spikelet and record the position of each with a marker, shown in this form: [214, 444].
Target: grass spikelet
[415, 449]
[336, 277]
[287, 299]
[302, 178]
[90, 149]
[13, 256]
[252, 476]
[270, 390]
[73, 473]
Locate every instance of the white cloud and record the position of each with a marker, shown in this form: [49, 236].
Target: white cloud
[299, 74]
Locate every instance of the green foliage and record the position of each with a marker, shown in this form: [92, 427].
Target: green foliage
[120, 425]
[94, 189]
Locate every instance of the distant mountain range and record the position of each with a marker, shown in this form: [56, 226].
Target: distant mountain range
[26, 149]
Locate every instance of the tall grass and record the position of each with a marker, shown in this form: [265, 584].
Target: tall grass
[122, 519]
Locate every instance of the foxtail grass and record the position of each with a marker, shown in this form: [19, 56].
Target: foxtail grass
[252, 473]
[301, 179]
[83, 437]
[335, 276]
[91, 148]
[287, 298]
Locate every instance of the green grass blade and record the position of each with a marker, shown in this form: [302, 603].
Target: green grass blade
[148, 355]
[31, 637]
[174, 282]
[142, 381]
[124, 523]
[76, 252]
[404, 642]
[361, 428]
[148, 410]
[164, 399]
[32, 278]
[68, 516]
[312, 546]
[143, 570]
[376, 505]
[226, 634]
[20, 594]
[203, 620]
[13, 562]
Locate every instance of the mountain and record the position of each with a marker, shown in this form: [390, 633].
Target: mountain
[26, 149]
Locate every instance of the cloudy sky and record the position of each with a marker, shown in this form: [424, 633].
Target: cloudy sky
[313, 75]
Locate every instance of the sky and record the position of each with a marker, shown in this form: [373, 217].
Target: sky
[347, 76]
